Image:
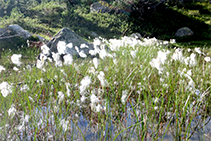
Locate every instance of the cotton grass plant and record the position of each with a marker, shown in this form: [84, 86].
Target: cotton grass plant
[136, 91]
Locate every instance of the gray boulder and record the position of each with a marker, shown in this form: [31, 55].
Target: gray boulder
[136, 35]
[99, 7]
[13, 37]
[185, 31]
[20, 31]
[77, 43]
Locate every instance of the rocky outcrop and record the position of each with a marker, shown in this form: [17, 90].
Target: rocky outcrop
[99, 7]
[75, 43]
[183, 32]
[19, 31]
[13, 37]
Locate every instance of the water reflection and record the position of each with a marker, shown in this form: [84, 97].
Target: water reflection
[81, 128]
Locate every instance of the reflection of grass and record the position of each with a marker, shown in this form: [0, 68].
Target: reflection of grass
[154, 102]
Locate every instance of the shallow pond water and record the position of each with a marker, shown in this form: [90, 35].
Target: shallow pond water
[79, 128]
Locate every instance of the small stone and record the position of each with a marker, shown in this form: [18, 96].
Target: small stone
[185, 31]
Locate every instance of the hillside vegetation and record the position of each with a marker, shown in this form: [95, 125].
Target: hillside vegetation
[47, 17]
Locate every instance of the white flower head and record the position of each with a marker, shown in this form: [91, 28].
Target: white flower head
[96, 62]
[15, 68]
[83, 98]
[155, 63]
[162, 56]
[56, 58]
[192, 60]
[178, 55]
[84, 46]
[102, 79]
[96, 42]
[40, 81]
[85, 82]
[68, 59]
[41, 61]
[45, 50]
[16, 59]
[172, 41]
[39, 64]
[124, 96]
[24, 88]
[2, 68]
[94, 99]
[133, 53]
[93, 52]
[198, 50]
[207, 59]
[98, 108]
[12, 111]
[70, 45]
[60, 96]
[67, 88]
[64, 123]
[61, 47]
[5, 89]
[82, 54]
[103, 53]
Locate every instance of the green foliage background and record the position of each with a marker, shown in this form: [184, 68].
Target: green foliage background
[45, 17]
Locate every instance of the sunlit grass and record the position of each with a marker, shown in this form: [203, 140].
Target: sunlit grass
[123, 97]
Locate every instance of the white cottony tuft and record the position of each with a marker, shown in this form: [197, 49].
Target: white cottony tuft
[56, 58]
[24, 88]
[155, 63]
[103, 53]
[68, 59]
[102, 79]
[98, 108]
[5, 89]
[207, 59]
[41, 61]
[133, 53]
[96, 62]
[84, 46]
[85, 82]
[159, 61]
[96, 42]
[198, 50]
[45, 50]
[178, 55]
[61, 47]
[162, 56]
[15, 68]
[192, 60]
[83, 98]
[16, 59]
[2, 68]
[94, 99]
[64, 123]
[67, 88]
[60, 96]
[82, 54]
[12, 111]
[124, 96]
[70, 45]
